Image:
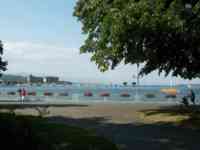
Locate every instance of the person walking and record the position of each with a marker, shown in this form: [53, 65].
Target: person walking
[20, 94]
[24, 93]
[191, 94]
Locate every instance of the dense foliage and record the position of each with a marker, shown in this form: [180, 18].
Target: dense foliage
[164, 35]
[2, 63]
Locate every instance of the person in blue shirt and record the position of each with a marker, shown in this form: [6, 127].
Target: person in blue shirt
[191, 94]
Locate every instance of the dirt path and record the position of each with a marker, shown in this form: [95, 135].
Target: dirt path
[121, 124]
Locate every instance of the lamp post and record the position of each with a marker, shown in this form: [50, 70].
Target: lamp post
[138, 77]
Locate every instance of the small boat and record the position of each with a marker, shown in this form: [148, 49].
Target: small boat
[88, 94]
[125, 94]
[105, 94]
[150, 95]
[170, 96]
[64, 94]
[32, 93]
[11, 93]
[169, 92]
[48, 94]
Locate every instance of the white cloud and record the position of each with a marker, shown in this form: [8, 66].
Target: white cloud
[43, 59]
[52, 59]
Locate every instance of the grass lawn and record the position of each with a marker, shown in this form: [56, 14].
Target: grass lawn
[188, 117]
[33, 133]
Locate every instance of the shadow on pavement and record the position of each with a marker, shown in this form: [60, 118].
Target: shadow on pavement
[136, 136]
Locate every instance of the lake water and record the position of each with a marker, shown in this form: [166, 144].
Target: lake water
[76, 93]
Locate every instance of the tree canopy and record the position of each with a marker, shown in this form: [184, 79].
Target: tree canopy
[3, 63]
[164, 35]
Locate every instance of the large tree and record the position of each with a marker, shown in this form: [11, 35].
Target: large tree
[3, 63]
[164, 35]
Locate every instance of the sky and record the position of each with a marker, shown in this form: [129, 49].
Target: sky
[42, 37]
